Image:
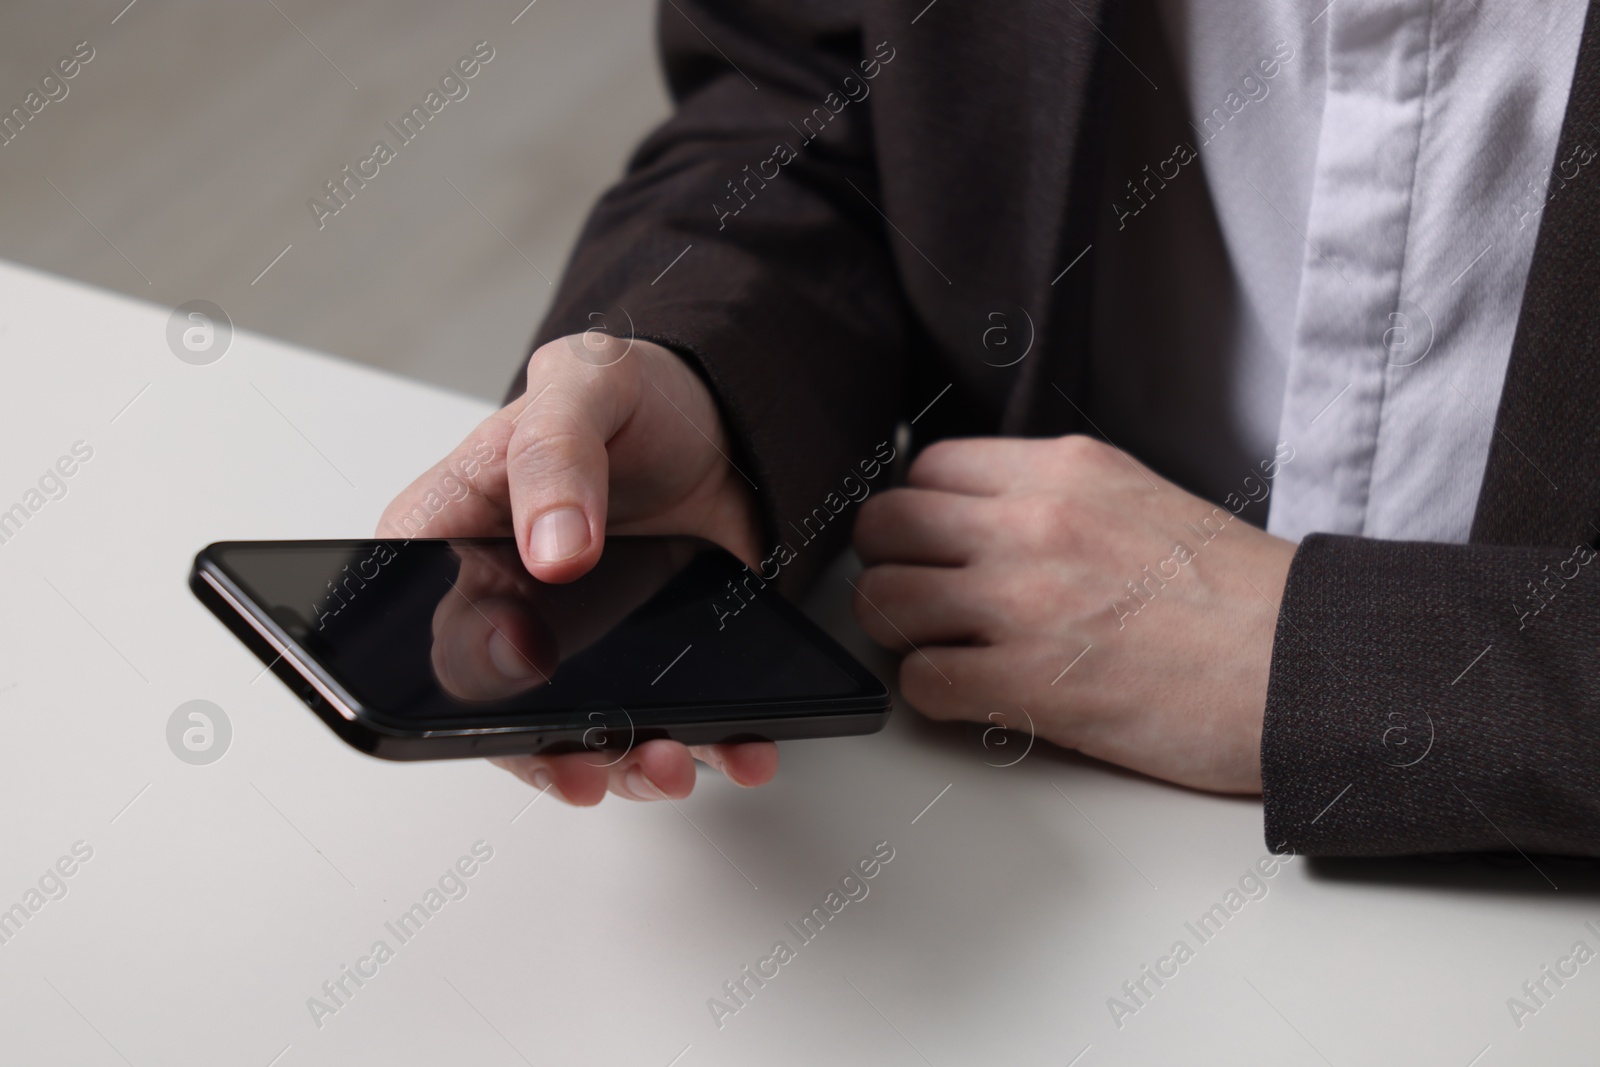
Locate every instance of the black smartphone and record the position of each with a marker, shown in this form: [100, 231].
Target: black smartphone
[449, 648]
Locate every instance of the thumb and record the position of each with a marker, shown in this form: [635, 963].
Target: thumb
[557, 468]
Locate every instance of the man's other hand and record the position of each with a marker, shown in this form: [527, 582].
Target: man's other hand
[1128, 618]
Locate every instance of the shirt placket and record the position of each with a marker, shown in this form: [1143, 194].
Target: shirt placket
[1354, 260]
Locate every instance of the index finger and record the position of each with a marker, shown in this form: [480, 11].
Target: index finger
[463, 495]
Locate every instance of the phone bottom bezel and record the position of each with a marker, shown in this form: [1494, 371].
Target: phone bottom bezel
[845, 717]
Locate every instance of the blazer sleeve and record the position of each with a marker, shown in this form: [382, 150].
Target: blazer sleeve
[743, 247]
[1434, 698]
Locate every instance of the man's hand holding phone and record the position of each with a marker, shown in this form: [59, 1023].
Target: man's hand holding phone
[609, 435]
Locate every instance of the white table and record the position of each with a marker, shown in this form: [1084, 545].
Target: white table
[219, 898]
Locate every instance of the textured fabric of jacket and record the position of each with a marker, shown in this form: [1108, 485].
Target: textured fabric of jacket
[846, 196]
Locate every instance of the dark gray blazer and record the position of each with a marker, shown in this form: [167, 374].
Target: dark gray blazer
[861, 184]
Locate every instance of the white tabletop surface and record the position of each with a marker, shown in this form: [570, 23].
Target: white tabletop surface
[218, 899]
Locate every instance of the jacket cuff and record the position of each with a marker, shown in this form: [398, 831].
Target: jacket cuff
[1413, 706]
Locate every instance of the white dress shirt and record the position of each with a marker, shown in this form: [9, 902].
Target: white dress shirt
[1341, 267]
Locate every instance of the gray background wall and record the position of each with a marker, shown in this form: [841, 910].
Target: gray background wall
[194, 137]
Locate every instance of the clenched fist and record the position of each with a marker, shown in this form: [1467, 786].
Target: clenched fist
[1128, 618]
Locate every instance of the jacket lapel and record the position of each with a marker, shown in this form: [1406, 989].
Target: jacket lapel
[1064, 198]
[1542, 483]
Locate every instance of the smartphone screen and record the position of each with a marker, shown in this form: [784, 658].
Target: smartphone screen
[436, 632]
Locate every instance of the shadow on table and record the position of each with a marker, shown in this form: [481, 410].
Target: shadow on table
[1508, 875]
[1505, 874]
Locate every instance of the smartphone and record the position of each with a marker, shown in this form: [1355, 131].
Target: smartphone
[449, 648]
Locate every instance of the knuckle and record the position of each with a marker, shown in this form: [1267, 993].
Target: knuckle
[1090, 466]
[545, 358]
[938, 455]
[1080, 448]
[1042, 526]
[876, 515]
[548, 451]
[576, 358]
[492, 433]
[867, 524]
[594, 348]
[871, 510]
